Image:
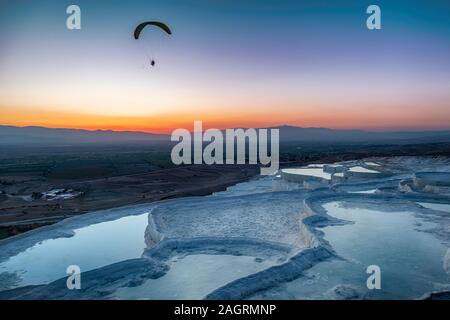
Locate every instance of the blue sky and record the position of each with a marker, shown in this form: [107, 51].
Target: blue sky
[310, 63]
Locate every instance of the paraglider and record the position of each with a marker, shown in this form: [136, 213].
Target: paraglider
[140, 27]
[160, 25]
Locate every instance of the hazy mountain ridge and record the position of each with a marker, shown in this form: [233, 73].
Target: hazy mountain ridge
[292, 134]
[11, 135]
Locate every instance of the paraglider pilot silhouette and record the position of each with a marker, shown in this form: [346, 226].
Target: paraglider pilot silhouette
[140, 27]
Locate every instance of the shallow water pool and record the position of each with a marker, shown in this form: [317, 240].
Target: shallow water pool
[411, 261]
[91, 247]
[194, 276]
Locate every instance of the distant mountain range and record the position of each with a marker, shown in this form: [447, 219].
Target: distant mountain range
[299, 134]
[10, 135]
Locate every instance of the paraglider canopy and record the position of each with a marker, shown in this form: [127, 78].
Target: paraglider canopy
[158, 24]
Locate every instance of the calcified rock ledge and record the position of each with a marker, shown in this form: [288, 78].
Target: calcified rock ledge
[268, 219]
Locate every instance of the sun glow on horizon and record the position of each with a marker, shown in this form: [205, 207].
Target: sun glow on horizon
[166, 123]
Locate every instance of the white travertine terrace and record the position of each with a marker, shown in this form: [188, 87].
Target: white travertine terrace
[273, 228]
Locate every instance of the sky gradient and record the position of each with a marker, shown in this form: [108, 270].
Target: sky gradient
[228, 63]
